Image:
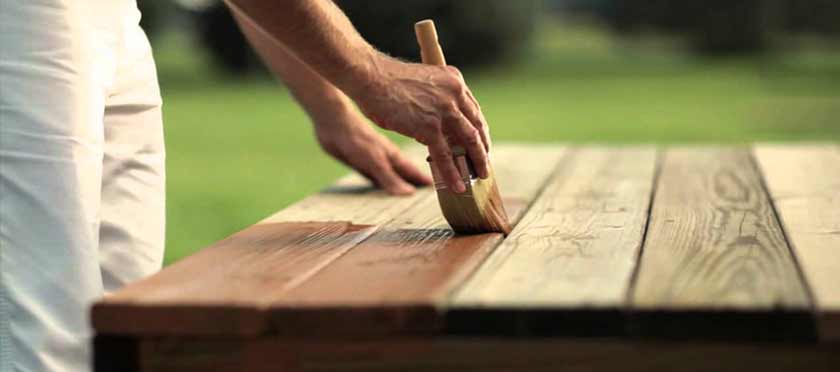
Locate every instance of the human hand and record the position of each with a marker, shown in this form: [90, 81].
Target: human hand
[433, 105]
[348, 138]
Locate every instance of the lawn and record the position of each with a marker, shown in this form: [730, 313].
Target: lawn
[240, 149]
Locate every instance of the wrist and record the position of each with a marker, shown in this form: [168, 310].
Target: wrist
[330, 111]
[367, 78]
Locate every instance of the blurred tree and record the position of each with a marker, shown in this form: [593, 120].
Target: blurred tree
[726, 26]
[820, 16]
[473, 32]
[713, 26]
[220, 35]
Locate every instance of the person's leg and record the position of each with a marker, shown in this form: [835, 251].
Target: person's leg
[131, 236]
[51, 141]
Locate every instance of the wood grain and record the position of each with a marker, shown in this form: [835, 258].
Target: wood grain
[222, 289]
[804, 183]
[353, 199]
[229, 287]
[715, 253]
[525, 160]
[715, 263]
[571, 255]
[396, 280]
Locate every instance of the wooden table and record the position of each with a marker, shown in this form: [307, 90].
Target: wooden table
[632, 258]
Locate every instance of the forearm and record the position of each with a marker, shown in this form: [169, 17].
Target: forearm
[318, 34]
[431, 104]
[315, 94]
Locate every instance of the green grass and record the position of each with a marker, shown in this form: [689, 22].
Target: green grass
[239, 150]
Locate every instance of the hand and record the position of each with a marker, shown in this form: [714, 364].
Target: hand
[348, 137]
[433, 105]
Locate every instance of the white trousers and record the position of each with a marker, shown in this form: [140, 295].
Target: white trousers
[81, 172]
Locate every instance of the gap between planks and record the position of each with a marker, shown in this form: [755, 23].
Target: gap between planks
[398, 278]
[326, 206]
[715, 263]
[711, 176]
[803, 181]
[253, 291]
[566, 268]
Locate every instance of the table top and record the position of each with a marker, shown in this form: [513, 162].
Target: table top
[720, 242]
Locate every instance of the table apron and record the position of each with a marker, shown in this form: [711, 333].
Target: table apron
[115, 353]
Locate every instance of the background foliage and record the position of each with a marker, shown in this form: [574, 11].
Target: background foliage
[239, 148]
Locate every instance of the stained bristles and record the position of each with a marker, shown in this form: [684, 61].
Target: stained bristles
[478, 210]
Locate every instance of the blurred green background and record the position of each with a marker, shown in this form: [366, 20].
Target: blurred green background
[239, 148]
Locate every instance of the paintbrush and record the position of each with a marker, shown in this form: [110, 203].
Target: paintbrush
[479, 209]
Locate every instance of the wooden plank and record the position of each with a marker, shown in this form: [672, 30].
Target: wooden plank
[222, 289]
[353, 199]
[166, 306]
[715, 262]
[395, 281]
[567, 266]
[529, 160]
[169, 304]
[227, 288]
[804, 183]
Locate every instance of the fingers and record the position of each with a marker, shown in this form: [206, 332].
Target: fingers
[376, 166]
[470, 138]
[472, 109]
[384, 176]
[470, 126]
[407, 170]
[441, 156]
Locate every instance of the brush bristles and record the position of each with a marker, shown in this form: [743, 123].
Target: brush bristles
[479, 209]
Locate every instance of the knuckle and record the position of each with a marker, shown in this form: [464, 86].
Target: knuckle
[380, 158]
[468, 129]
[452, 112]
[473, 105]
[470, 136]
[472, 111]
[457, 87]
[388, 181]
[452, 83]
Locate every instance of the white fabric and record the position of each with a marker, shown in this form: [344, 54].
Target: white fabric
[81, 172]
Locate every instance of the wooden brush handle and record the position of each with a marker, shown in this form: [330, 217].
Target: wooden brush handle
[432, 54]
[430, 51]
